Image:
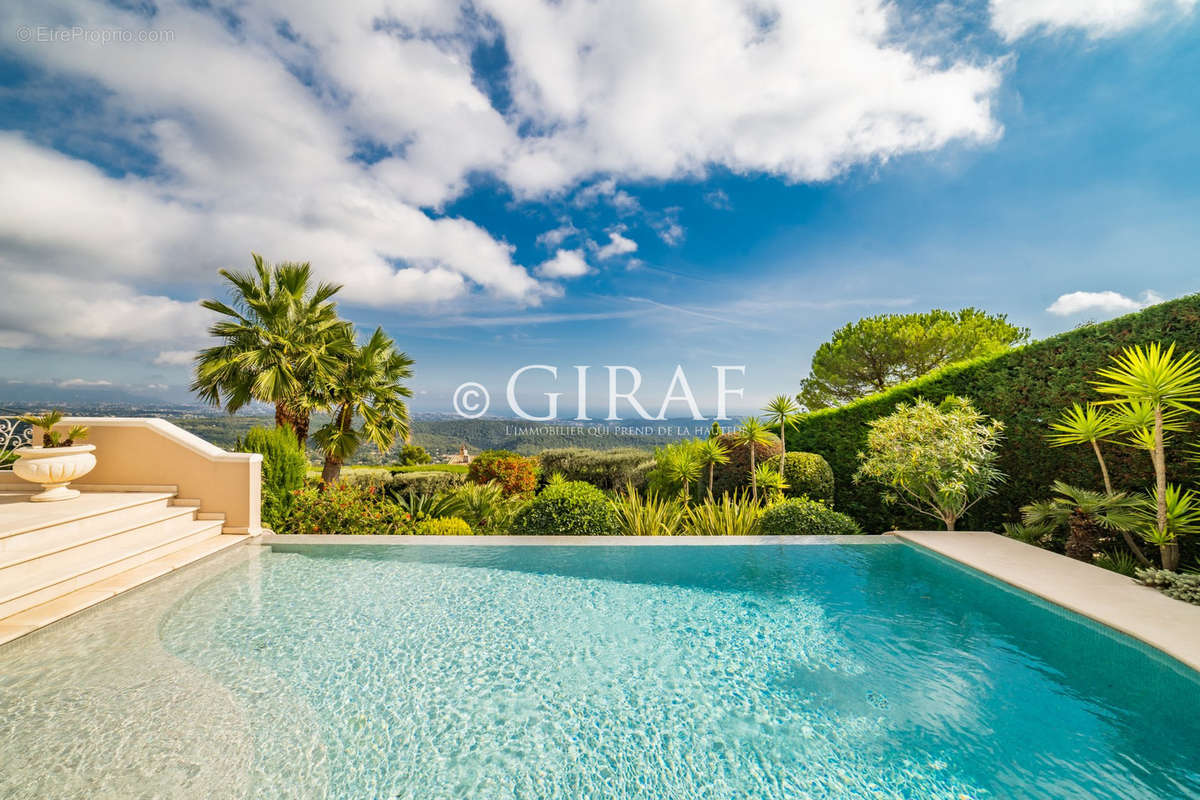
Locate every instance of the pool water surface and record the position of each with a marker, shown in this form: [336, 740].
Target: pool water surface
[499, 672]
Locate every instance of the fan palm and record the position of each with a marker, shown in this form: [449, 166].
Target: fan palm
[1168, 384]
[367, 385]
[279, 342]
[711, 452]
[751, 434]
[1085, 514]
[782, 411]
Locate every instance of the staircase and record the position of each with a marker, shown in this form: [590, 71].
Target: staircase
[60, 558]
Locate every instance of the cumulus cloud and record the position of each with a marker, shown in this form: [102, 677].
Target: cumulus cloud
[565, 264]
[174, 358]
[1097, 18]
[618, 245]
[338, 134]
[1107, 302]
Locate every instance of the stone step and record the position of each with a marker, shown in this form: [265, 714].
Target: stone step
[18, 516]
[52, 538]
[31, 583]
[85, 596]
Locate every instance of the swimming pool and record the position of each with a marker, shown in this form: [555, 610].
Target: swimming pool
[770, 671]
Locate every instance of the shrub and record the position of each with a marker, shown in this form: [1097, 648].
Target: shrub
[731, 515]
[485, 507]
[571, 508]
[605, 469]
[400, 483]
[799, 516]
[1024, 388]
[514, 473]
[456, 468]
[444, 526]
[937, 460]
[734, 474]
[413, 508]
[342, 508]
[371, 476]
[283, 469]
[647, 514]
[1182, 586]
[806, 475]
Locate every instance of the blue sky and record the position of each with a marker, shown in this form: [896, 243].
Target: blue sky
[512, 183]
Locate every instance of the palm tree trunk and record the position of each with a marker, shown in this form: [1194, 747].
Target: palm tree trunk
[1083, 541]
[1108, 489]
[331, 470]
[711, 467]
[1169, 553]
[783, 444]
[286, 416]
[753, 477]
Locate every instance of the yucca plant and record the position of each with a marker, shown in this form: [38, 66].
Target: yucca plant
[782, 411]
[732, 515]
[1092, 425]
[1183, 516]
[712, 452]
[53, 438]
[681, 464]
[750, 434]
[1169, 385]
[485, 507]
[647, 514]
[770, 481]
[1086, 515]
[426, 506]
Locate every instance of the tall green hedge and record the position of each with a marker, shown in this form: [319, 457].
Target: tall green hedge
[1026, 388]
[283, 469]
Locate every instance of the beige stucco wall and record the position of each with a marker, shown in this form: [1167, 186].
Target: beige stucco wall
[146, 451]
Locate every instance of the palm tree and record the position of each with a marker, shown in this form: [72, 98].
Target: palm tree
[279, 342]
[711, 452]
[1166, 383]
[751, 434]
[1091, 425]
[1085, 513]
[366, 385]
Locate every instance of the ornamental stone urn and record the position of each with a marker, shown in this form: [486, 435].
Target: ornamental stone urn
[54, 468]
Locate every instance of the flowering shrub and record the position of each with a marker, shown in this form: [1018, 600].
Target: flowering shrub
[515, 474]
[342, 508]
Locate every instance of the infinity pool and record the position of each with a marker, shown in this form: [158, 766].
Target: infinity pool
[495, 673]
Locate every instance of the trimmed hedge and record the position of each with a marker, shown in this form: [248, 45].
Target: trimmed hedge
[800, 517]
[605, 469]
[424, 482]
[807, 475]
[456, 468]
[571, 508]
[1026, 388]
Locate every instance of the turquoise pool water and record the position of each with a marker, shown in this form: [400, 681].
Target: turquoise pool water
[427, 672]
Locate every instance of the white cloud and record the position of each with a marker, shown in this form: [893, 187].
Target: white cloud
[1097, 18]
[1107, 302]
[174, 358]
[617, 245]
[556, 236]
[82, 383]
[565, 264]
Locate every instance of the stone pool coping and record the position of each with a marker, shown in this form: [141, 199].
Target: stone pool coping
[1168, 625]
[585, 541]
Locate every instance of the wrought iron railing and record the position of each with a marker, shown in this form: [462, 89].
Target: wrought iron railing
[13, 434]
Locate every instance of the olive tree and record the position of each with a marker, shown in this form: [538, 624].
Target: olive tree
[938, 460]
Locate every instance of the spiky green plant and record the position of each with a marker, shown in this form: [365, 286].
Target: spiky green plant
[1089, 425]
[1156, 376]
[485, 507]
[681, 464]
[51, 437]
[1085, 514]
[750, 434]
[783, 412]
[710, 453]
[770, 480]
[1117, 561]
[732, 515]
[647, 514]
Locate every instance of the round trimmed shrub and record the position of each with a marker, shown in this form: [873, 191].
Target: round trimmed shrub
[570, 508]
[805, 517]
[807, 475]
[444, 526]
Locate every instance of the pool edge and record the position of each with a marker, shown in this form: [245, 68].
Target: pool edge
[578, 541]
[1170, 626]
